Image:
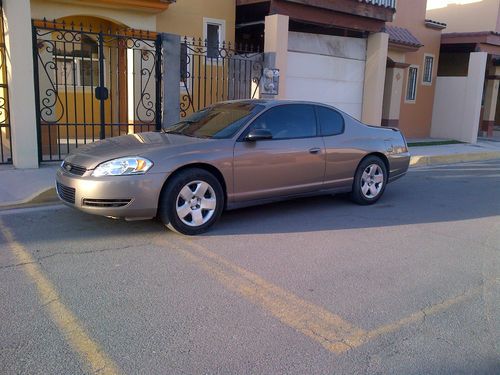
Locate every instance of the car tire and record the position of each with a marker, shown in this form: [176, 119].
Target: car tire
[369, 181]
[191, 202]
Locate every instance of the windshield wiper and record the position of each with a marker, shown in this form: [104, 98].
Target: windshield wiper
[176, 132]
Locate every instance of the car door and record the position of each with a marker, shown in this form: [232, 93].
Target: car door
[341, 157]
[292, 162]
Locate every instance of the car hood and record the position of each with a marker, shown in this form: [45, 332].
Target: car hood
[93, 154]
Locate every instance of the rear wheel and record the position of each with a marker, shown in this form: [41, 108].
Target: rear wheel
[191, 202]
[369, 181]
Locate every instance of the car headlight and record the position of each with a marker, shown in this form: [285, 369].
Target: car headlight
[123, 167]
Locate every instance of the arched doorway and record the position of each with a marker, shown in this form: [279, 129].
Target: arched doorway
[96, 79]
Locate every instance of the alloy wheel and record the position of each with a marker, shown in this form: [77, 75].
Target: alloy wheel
[196, 203]
[372, 181]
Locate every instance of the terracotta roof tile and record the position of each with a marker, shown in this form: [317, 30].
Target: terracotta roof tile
[400, 35]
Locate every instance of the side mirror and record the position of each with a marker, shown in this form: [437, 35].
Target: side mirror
[258, 135]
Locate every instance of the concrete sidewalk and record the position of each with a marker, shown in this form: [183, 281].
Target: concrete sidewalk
[448, 154]
[26, 187]
[21, 187]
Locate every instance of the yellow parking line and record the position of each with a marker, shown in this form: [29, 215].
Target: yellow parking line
[328, 329]
[90, 351]
[422, 314]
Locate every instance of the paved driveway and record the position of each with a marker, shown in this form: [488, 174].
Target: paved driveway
[314, 286]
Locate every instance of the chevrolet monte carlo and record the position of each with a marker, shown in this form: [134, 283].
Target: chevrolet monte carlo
[230, 155]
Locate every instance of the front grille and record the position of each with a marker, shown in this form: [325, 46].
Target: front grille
[74, 169]
[66, 193]
[106, 202]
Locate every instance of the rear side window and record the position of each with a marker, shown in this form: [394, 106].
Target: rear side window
[288, 121]
[331, 122]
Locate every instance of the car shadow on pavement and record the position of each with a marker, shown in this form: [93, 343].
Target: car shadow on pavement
[424, 195]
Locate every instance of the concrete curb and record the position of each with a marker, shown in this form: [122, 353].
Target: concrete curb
[44, 196]
[49, 195]
[421, 160]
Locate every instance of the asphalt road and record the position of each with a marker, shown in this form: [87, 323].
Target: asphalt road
[313, 286]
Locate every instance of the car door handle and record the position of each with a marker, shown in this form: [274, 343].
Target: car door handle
[315, 150]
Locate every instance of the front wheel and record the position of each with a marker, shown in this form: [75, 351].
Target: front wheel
[191, 202]
[369, 181]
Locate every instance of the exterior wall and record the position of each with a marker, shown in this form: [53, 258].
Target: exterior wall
[185, 17]
[416, 118]
[478, 16]
[327, 69]
[457, 107]
[54, 10]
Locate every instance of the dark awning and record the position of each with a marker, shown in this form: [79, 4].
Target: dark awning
[402, 37]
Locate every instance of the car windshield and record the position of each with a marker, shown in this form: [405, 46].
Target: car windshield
[217, 121]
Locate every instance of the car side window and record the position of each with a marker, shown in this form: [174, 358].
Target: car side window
[288, 121]
[331, 122]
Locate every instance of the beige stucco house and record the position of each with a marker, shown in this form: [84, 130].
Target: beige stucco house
[413, 58]
[74, 71]
[469, 70]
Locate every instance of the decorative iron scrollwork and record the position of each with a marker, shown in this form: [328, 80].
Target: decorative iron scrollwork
[75, 64]
[213, 73]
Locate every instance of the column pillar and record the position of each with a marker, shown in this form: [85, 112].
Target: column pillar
[473, 96]
[490, 102]
[171, 55]
[276, 47]
[373, 92]
[20, 78]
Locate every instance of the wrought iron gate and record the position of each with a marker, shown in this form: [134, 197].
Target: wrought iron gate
[5, 141]
[214, 73]
[93, 84]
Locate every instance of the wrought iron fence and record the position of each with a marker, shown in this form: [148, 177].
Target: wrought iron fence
[214, 73]
[93, 84]
[5, 139]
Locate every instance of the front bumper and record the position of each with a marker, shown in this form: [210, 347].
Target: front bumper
[129, 197]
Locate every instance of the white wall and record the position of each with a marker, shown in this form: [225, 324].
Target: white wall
[326, 69]
[457, 103]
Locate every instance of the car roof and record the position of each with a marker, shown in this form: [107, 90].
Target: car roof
[273, 102]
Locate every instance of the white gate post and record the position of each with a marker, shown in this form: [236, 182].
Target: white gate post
[20, 78]
[276, 48]
[171, 55]
[373, 93]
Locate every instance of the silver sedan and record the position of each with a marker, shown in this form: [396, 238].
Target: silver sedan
[230, 155]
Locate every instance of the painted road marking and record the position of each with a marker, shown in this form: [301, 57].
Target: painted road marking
[25, 210]
[330, 330]
[422, 314]
[91, 353]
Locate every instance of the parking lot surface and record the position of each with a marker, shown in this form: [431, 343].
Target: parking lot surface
[311, 286]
